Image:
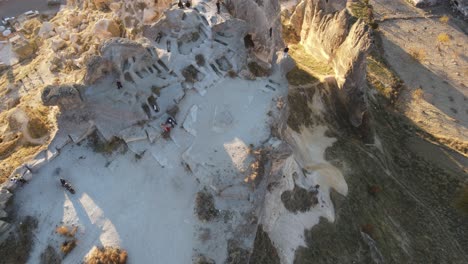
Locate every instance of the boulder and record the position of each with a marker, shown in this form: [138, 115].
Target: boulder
[65, 96]
[58, 44]
[106, 28]
[46, 30]
[97, 67]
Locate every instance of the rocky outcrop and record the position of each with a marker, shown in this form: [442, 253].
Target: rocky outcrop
[116, 56]
[106, 28]
[64, 96]
[97, 67]
[261, 16]
[336, 37]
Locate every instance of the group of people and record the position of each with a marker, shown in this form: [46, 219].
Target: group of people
[18, 178]
[186, 4]
[169, 124]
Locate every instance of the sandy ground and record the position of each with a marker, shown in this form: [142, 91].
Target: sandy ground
[441, 105]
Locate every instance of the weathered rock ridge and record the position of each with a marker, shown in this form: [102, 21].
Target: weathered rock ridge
[261, 17]
[336, 37]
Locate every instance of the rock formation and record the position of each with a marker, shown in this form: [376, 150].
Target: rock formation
[116, 55]
[64, 96]
[334, 36]
[261, 17]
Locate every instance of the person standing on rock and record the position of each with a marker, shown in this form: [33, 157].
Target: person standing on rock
[218, 6]
[18, 178]
[286, 50]
[119, 84]
[158, 37]
[171, 121]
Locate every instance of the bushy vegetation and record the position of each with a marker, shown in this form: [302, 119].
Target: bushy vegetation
[258, 70]
[100, 145]
[190, 73]
[444, 19]
[380, 75]
[205, 207]
[308, 63]
[66, 231]
[200, 60]
[106, 255]
[418, 93]
[417, 54]
[443, 38]
[299, 199]
[68, 246]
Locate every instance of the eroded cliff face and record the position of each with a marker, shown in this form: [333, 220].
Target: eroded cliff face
[261, 17]
[330, 33]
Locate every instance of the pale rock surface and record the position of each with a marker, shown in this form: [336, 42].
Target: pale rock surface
[46, 30]
[106, 28]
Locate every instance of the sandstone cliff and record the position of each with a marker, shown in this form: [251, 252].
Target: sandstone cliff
[261, 16]
[331, 34]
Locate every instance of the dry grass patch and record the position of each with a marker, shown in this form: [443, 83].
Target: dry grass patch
[257, 168]
[39, 124]
[383, 79]
[361, 9]
[418, 93]
[417, 54]
[67, 231]
[443, 38]
[19, 156]
[68, 246]
[106, 255]
[444, 19]
[306, 62]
